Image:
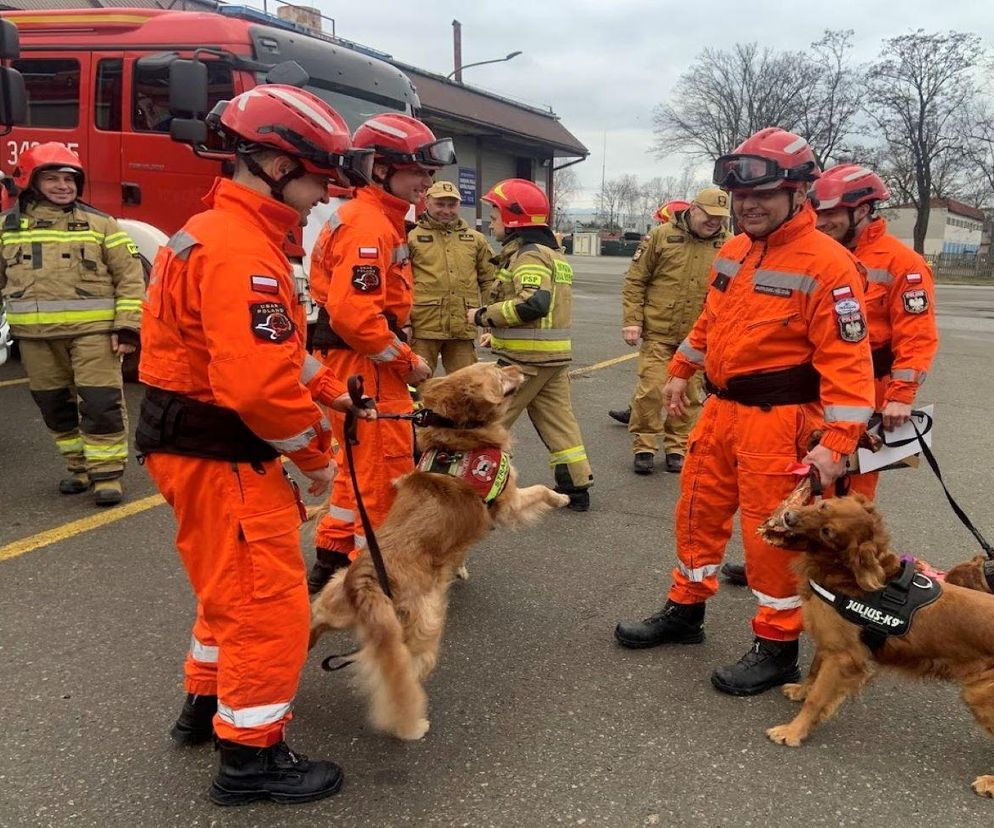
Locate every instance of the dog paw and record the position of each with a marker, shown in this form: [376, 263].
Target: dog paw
[413, 731]
[983, 785]
[795, 692]
[562, 500]
[462, 573]
[784, 735]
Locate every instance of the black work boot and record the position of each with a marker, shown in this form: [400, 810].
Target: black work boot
[579, 497]
[767, 664]
[644, 462]
[622, 415]
[248, 774]
[674, 463]
[195, 724]
[328, 562]
[735, 573]
[673, 624]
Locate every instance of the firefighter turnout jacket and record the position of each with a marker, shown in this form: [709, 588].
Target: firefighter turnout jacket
[666, 282]
[224, 324]
[452, 272]
[67, 271]
[530, 305]
[900, 312]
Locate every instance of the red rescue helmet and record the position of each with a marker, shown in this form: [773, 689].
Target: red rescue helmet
[848, 185]
[768, 160]
[297, 123]
[668, 209]
[403, 141]
[521, 203]
[50, 156]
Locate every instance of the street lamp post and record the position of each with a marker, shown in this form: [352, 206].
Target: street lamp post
[458, 70]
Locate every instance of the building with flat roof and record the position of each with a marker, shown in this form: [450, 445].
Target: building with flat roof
[954, 228]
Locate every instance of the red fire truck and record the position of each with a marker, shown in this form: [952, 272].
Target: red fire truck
[97, 80]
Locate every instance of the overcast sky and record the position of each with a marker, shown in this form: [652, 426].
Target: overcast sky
[602, 66]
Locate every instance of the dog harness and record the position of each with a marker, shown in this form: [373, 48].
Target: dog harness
[487, 470]
[887, 612]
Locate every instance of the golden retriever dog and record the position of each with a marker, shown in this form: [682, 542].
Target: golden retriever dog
[846, 550]
[424, 540]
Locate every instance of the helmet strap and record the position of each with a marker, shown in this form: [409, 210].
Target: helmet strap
[276, 185]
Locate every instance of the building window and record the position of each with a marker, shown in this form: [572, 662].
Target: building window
[150, 107]
[52, 86]
[107, 94]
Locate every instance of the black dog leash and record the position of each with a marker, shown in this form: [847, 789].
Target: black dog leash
[930, 458]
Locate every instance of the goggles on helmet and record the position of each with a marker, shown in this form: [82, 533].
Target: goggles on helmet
[734, 171]
[440, 153]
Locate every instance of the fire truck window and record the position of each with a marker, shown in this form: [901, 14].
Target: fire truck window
[150, 109]
[53, 91]
[107, 95]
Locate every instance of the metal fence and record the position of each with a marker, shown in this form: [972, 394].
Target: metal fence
[962, 266]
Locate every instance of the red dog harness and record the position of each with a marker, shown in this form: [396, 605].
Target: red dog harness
[487, 470]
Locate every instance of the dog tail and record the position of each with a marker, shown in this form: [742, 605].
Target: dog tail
[398, 703]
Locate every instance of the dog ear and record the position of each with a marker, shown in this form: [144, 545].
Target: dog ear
[864, 561]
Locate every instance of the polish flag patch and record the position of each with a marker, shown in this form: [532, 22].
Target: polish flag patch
[264, 284]
[842, 293]
[914, 278]
[368, 252]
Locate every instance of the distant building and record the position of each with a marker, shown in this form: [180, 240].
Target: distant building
[954, 228]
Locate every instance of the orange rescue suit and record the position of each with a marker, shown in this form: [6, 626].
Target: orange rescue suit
[361, 275]
[900, 311]
[794, 298]
[225, 326]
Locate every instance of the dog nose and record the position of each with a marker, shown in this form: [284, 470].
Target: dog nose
[790, 517]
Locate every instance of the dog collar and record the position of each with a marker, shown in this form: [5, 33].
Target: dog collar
[487, 470]
[888, 611]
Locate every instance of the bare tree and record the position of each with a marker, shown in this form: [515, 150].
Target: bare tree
[614, 201]
[915, 91]
[978, 127]
[565, 188]
[728, 95]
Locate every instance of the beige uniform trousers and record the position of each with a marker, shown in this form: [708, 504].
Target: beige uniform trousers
[546, 396]
[455, 353]
[647, 421]
[76, 382]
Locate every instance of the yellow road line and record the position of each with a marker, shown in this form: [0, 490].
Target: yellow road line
[14, 382]
[76, 527]
[607, 363]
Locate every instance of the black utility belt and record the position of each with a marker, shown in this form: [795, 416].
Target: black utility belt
[323, 337]
[790, 386]
[174, 424]
[883, 361]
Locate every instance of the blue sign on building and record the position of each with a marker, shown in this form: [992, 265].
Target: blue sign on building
[467, 186]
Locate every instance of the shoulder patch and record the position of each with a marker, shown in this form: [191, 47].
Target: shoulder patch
[852, 326]
[638, 252]
[914, 278]
[368, 252]
[720, 282]
[530, 279]
[270, 321]
[366, 278]
[915, 301]
[264, 284]
[564, 273]
[132, 249]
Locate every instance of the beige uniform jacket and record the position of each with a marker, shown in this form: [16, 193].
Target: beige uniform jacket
[452, 272]
[667, 280]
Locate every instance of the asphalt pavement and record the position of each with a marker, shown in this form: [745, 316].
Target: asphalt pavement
[537, 717]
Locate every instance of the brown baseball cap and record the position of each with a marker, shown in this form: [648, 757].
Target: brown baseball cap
[445, 189]
[713, 201]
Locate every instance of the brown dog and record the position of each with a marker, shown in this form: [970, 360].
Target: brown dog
[424, 540]
[846, 552]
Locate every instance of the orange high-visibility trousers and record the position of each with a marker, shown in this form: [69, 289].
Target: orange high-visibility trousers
[385, 452]
[737, 460]
[238, 537]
